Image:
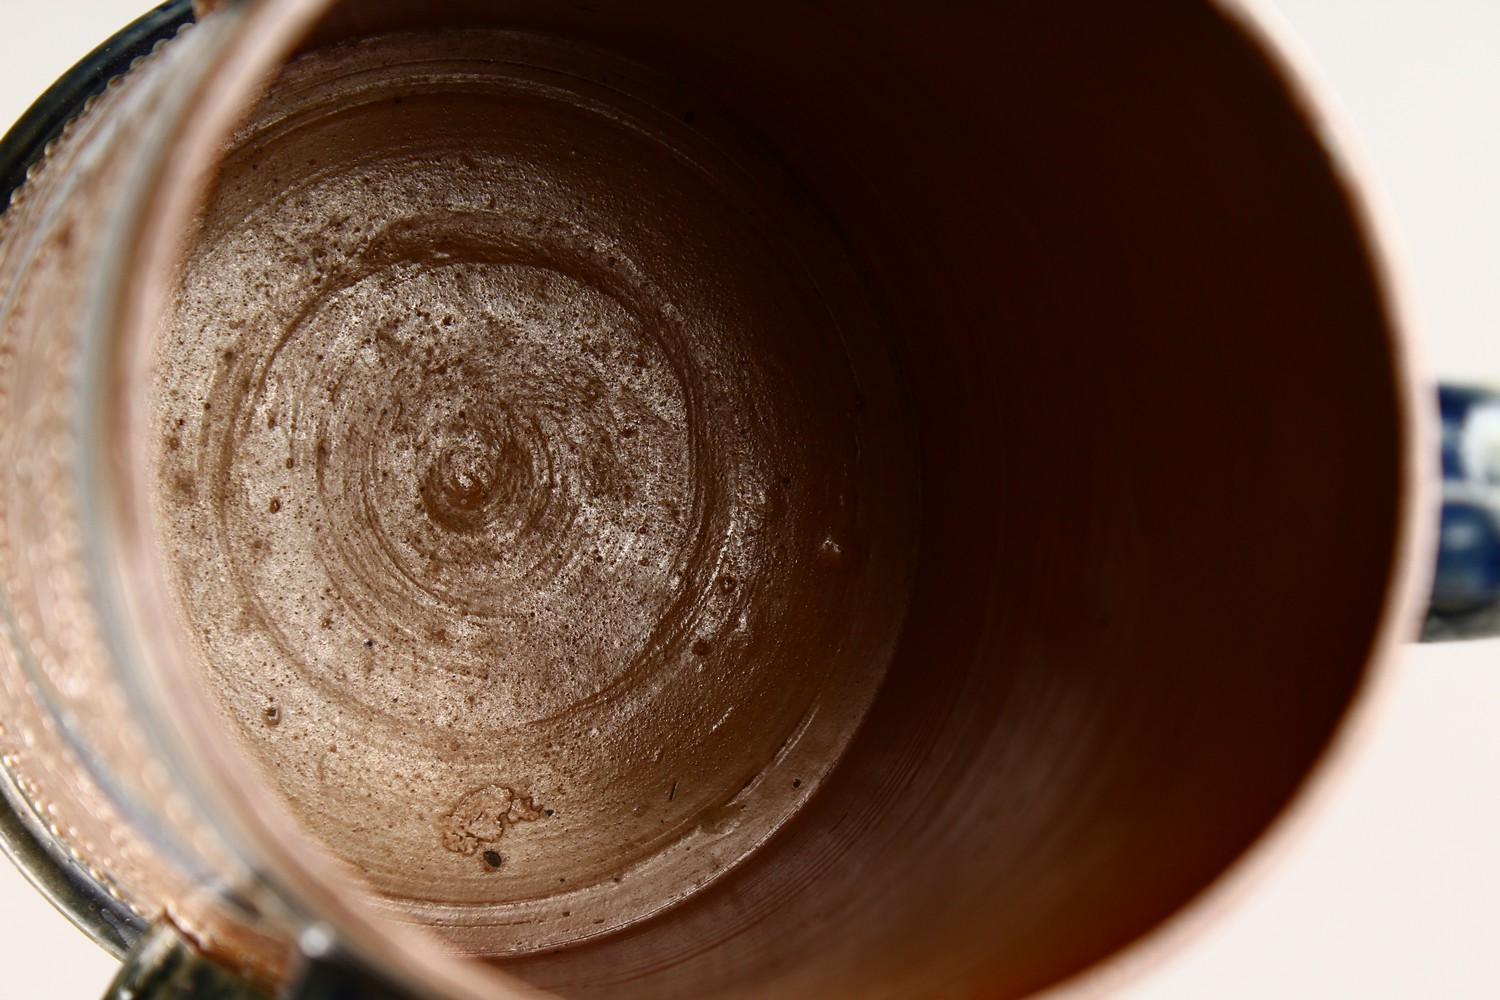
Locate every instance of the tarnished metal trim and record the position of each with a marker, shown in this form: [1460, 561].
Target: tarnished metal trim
[68, 886]
[164, 966]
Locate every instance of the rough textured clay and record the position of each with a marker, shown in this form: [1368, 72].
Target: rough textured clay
[537, 488]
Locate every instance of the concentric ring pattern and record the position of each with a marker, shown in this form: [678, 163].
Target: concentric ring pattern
[538, 489]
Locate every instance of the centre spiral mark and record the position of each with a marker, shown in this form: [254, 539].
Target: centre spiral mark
[493, 451]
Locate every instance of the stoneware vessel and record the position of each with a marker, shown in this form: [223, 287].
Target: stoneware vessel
[685, 499]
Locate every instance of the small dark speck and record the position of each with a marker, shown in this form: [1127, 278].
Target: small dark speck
[369, 643]
[727, 583]
[786, 480]
[273, 716]
[549, 812]
[567, 913]
[690, 117]
[275, 505]
[493, 859]
[796, 782]
[396, 101]
[702, 647]
[673, 793]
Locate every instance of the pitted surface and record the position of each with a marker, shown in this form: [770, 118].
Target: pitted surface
[521, 432]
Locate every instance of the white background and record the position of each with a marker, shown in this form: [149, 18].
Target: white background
[1392, 891]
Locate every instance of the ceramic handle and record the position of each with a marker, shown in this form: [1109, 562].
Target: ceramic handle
[1465, 601]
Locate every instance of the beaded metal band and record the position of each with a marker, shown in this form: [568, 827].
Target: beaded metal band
[22, 835]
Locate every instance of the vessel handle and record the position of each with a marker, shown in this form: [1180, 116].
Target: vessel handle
[164, 965]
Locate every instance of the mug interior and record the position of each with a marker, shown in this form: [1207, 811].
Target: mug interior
[1125, 444]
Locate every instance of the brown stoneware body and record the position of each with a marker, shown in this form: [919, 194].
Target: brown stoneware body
[693, 499]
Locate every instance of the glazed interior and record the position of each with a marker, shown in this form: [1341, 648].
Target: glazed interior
[697, 500]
